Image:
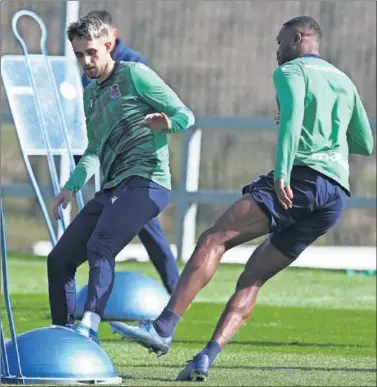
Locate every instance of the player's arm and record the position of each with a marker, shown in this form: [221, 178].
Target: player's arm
[85, 169]
[88, 163]
[290, 86]
[155, 92]
[359, 134]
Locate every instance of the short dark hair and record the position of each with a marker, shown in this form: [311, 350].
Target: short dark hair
[102, 15]
[305, 23]
[88, 28]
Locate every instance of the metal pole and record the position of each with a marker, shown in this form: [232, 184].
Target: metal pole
[69, 14]
[8, 306]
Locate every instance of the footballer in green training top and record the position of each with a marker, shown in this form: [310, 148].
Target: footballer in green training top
[129, 112]
[322, 121]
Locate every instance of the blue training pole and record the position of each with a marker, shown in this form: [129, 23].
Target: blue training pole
[4, 261]
[4, 355]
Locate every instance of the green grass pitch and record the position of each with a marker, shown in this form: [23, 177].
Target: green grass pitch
[310, 328]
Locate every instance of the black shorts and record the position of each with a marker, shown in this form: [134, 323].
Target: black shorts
[318, 202]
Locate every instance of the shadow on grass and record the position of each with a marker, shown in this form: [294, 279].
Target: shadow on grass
[267, 343]
[280, 344]
[131, 377]
[265, 368]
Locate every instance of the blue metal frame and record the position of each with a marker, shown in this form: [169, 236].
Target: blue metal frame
[50, 158]
[4, 264]
[4, 355]
[80, 200]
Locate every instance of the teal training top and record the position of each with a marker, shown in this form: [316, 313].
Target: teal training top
[322, 119]
[115, 141]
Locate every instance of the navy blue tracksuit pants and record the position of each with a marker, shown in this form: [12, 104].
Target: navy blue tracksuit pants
[98, 233]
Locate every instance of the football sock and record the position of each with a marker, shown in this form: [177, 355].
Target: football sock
[166, 323]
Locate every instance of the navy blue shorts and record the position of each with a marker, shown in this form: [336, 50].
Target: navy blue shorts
[318, 202]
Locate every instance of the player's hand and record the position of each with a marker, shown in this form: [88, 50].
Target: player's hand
[156, 121]
[284, 194]
[63, 198]
[277, 118]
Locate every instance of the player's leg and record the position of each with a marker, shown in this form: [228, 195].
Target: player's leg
[241, 222]
[132, 204]
[246, 219]
[273, 255]
[64, 259]
[265, 262]
[159, 251]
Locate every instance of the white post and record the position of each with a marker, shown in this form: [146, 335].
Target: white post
[72, 14]
[192, 185]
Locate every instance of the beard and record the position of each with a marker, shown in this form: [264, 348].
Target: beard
[287, 56]
[93, 73]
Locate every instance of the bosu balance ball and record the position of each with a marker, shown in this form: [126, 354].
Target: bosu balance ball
[58, 355]
[134, 297]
